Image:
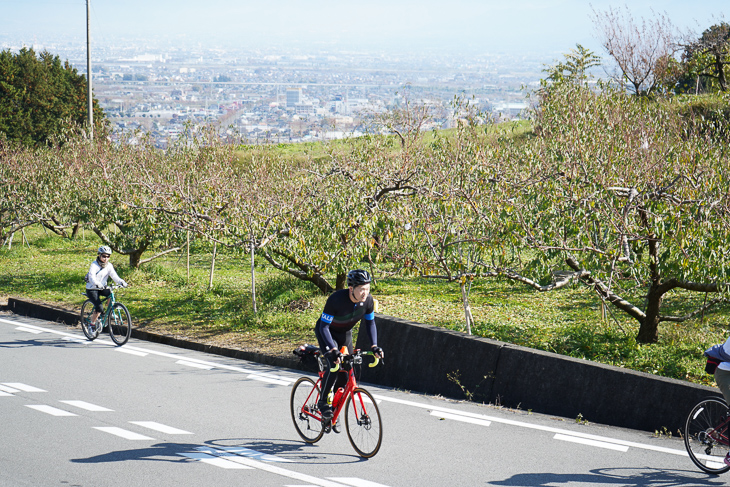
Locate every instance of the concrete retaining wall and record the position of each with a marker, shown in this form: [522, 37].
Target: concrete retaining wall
[430, 359]
[423, 358]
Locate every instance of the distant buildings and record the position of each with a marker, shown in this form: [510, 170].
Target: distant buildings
[293, 97]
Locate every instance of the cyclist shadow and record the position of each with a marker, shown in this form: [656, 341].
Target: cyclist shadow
[268, 451]
[291, 451]
[161, 452]
[624, 477]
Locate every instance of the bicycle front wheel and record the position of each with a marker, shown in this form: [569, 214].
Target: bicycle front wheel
[91, 331]
[304, 411]
[120, 324]
[706, 435]
[362, 420]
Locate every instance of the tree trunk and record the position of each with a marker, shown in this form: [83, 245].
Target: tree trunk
[467, 309]
[649, 327]
[341, 281]
[135, 257]
[719, 67]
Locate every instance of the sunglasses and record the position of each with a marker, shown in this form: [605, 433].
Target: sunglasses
[104, 256]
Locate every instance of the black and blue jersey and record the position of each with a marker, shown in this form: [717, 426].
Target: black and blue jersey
[340, 315]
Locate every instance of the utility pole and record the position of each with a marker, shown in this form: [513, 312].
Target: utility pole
[89, 98]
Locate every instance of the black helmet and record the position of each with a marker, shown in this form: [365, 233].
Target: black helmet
[358, 277]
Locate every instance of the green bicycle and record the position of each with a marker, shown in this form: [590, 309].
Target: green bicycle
[115, 318]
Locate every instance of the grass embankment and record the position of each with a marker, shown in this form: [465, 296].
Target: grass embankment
[161, 299]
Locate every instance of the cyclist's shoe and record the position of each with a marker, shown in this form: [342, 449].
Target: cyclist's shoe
[727, 459]
[336, 427]
[326, 411]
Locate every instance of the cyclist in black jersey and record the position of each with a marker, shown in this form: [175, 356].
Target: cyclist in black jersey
[343, 310]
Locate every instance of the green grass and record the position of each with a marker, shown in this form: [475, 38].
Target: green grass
[161, 298]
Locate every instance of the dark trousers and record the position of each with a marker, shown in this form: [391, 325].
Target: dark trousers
[95, 297]
[339, 378]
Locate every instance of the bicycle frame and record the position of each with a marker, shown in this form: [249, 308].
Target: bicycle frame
[349, 388]
[110, 300]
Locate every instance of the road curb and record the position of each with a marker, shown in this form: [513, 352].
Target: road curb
[43, 311]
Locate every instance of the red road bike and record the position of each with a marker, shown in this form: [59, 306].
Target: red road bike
[361, 414]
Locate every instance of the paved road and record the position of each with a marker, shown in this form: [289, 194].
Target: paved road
[79, 413]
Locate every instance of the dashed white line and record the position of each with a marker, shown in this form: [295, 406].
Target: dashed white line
[131, 352]
[355, 482]
[212, 460]
[22, 387]
[586, 441]
[29, 330]
[161, 428]
[8, 390]
[126, 434]
[269, 380]
[76, 340]
[247, 452]
[458, 417]
[87, 406]
[50, 410]
[521, 424]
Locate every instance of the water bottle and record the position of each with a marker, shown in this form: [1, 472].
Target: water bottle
[338, 396]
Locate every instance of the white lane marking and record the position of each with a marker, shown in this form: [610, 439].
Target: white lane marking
[247, 452]
[272, 469]
[217, 365]
[5, 394]
[218, 462]
[7, 389]
[533, 426]
[77, 340]
[586, 441]
[29, 330]
[50, 410]
[86, 405]
[22, 387]
[194, 364]
[126, 434]
[131, 352]
[161, 428]
[270, 381]
[459, 417]
[355, 482]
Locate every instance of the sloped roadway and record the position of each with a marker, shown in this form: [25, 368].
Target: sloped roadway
[79, 413]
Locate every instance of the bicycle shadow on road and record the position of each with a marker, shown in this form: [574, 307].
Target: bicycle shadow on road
[294, 451]
[624, 477]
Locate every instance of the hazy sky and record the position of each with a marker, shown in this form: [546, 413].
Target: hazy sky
[399, 25]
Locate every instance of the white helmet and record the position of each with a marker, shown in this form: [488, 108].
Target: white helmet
[104, 249]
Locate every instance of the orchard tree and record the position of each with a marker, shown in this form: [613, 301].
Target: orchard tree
[643, 51]
[41, 98]
[618, 194]
[709, 56]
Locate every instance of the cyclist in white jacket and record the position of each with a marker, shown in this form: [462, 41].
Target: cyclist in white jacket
[99, 272]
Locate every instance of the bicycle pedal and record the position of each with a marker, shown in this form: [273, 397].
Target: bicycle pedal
[326, 425]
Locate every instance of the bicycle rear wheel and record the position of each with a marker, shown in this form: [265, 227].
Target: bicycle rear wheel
[120, 324]
[91, 331]
[706, 435]
[362, 420]
[304, 411]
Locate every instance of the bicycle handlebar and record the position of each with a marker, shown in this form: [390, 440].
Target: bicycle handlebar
[358, 353]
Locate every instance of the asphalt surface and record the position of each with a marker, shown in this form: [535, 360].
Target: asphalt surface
[80, 413]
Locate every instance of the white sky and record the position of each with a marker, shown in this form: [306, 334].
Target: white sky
[397, 25]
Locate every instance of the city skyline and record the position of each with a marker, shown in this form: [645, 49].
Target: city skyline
[398, 26]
